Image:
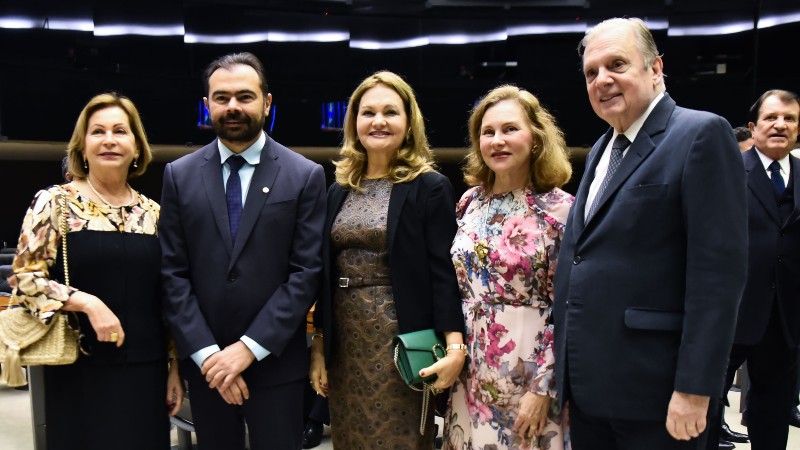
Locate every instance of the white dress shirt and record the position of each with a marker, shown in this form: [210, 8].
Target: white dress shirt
[783, 162]
[252, 156]
[602, 165]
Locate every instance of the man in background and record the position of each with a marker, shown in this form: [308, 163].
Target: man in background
[744, 137]
[768, 330]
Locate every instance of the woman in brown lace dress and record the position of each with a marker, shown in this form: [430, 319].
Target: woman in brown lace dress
[389, 227]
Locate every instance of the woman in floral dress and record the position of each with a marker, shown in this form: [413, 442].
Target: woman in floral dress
[510, 225]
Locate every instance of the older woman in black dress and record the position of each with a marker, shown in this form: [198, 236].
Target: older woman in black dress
[119, 395]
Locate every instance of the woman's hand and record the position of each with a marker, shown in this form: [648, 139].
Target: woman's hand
[175, 390]
[532, 417]
[446, 369]
[105, 323]
[317, 373]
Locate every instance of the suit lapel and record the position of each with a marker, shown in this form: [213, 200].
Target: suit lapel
[579, 206]
[758, 182]
[263, 177]
[794, 163]
[211, 171]
[396, 201]
[640, 149]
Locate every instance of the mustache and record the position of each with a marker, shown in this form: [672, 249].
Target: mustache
[236, 115]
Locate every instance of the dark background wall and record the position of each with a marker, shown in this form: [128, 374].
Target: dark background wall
[46, 76]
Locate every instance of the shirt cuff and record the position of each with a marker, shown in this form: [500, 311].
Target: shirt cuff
[200, 356]
[259, 351]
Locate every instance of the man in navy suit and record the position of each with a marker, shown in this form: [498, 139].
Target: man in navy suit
[652, 265]
[768, 329]
[240, 230]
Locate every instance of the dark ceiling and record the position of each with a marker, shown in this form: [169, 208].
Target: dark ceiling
[58, 71]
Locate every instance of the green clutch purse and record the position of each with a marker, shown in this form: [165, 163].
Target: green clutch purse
[412, 353]
[415, 351]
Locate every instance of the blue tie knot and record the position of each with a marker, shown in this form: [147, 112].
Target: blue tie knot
[621, 143]
[235, 163]
[777, 179]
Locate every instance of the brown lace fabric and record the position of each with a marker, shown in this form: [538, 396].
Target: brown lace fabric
[371, 407]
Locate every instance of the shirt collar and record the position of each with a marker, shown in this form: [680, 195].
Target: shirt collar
[251, 154]
[766, 161]
[637, 124]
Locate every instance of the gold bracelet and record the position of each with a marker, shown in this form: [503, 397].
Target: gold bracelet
[461, 347]
[316, 335]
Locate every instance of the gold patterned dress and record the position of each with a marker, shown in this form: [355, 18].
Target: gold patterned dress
[371, 408]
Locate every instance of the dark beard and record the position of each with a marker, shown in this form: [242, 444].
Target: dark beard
[246, 133]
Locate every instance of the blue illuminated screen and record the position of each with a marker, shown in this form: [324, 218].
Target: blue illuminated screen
[333, 114]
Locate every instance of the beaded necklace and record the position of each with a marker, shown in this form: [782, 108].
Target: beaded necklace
[130, 191]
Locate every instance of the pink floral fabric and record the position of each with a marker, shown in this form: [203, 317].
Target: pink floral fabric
[505, 254]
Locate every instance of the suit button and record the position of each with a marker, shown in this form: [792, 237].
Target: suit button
[780, 258]
[577, 260]
[232, 276]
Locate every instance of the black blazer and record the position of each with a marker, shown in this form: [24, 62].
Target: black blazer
[421, 227]
[647, 290]
[263, 286]
[773, 270]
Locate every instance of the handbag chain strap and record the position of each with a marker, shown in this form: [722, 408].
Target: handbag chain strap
[426, 390]
[64, 230]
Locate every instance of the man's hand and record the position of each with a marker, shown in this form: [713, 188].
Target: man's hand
[237, 393]
[686, 416]
[221, 368]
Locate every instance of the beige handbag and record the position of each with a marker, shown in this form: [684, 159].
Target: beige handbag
[26, 341]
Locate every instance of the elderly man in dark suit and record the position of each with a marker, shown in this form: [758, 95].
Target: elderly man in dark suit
[768, 329]
[652, 265]
[240, 230]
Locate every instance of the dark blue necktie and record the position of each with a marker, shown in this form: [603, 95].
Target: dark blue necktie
[777, 178]
[233, 194]
[619, 146]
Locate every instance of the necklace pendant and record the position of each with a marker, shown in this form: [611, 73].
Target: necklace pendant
[482, 250]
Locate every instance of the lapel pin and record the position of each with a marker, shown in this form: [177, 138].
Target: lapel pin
[265, 190]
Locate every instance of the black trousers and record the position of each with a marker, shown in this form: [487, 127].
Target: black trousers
[594, 433]
[273, 414]
[772, 367]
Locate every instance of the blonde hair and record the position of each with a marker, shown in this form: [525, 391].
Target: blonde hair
[99, 102]
[549, 163]
[414, 157]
